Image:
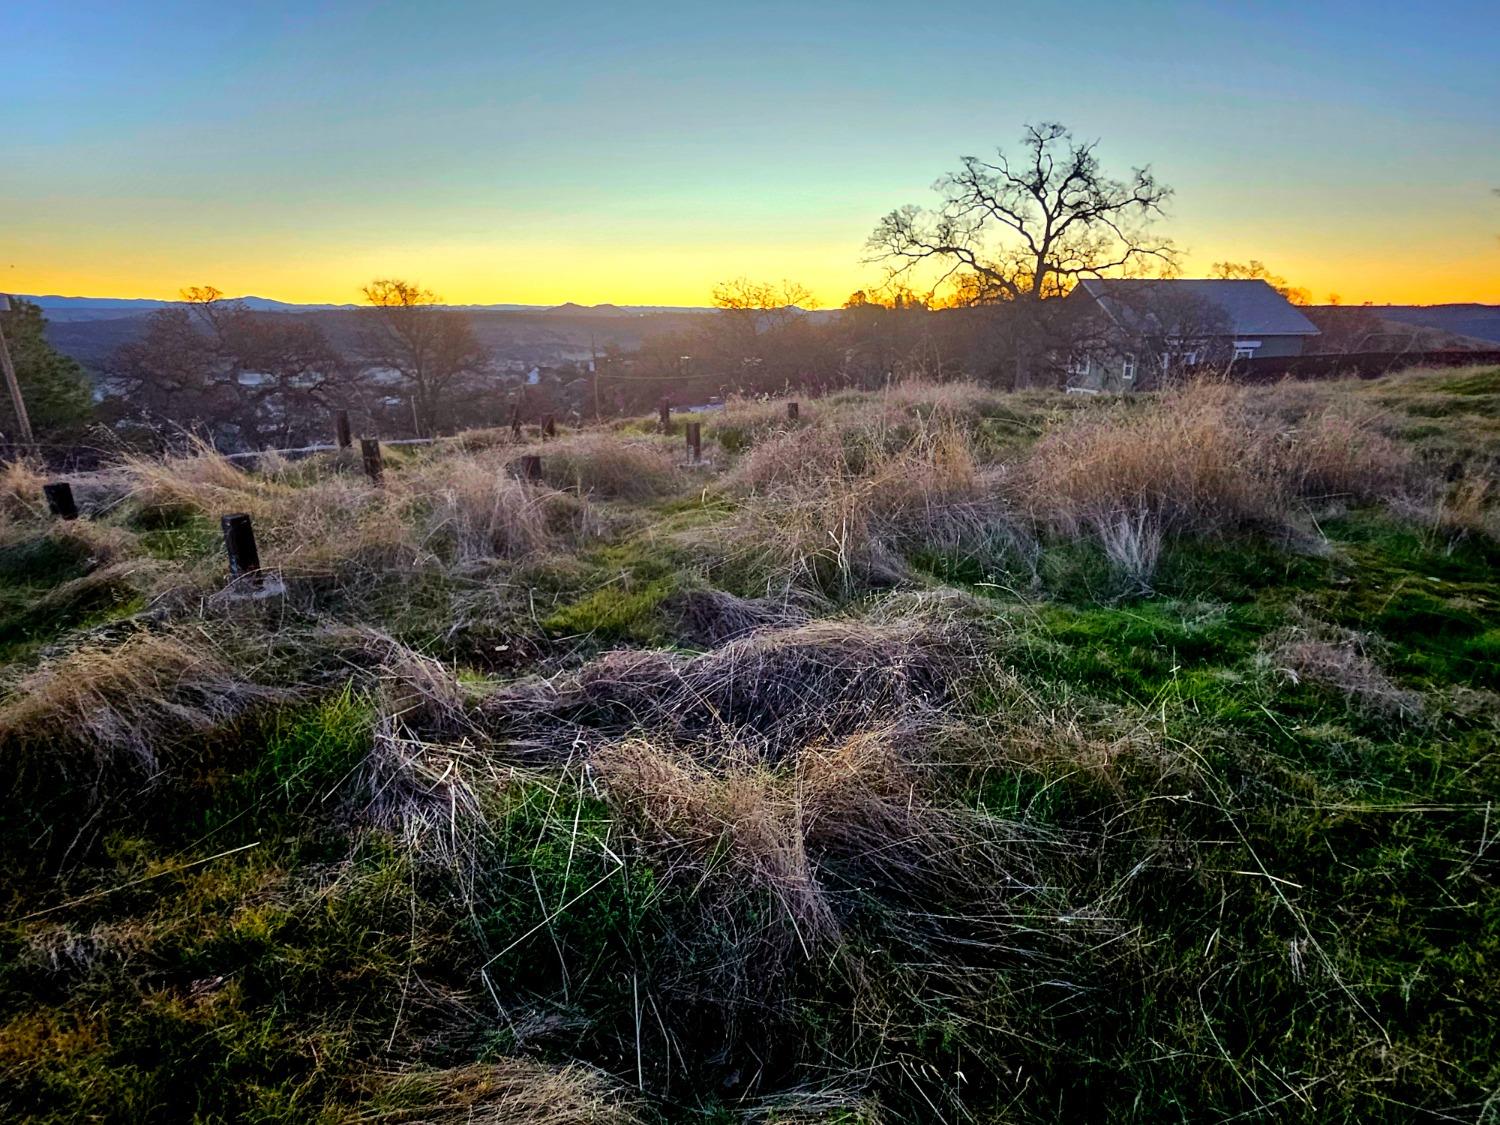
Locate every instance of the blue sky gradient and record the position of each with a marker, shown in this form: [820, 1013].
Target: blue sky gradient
[592, 152]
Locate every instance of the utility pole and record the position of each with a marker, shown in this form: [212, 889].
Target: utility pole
[23, 422]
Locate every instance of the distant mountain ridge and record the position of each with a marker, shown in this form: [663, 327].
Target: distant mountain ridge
[72, 309]
[1481, 322]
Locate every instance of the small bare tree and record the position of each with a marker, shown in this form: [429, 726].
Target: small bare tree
[760, 339]
[433, 349]
[1026, 230]
[1255, 270]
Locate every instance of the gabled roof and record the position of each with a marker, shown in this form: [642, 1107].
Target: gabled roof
[1252, 308]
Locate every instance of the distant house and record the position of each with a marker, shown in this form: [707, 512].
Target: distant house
[1138, 332]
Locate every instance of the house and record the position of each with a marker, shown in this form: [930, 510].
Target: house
[1140, 332]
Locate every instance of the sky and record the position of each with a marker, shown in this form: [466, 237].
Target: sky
[638, 154]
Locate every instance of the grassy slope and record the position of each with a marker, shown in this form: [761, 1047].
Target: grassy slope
[1199, 871]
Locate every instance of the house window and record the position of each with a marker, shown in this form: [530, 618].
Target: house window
[1190, 358]
[1078, 365]
[1244, 353]
[1127, 368]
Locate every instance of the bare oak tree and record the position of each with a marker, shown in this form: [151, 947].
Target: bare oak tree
[433, 349]
[1032, 227]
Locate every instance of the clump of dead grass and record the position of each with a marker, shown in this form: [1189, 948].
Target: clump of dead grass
[829, 507]
[762, 695]
[1340, 660]
[952, 399]
[746, 421]
[610, 466]
[202, 480]
[478, 511]
[127, 703]
[20, 492]
[507, 1091]
[1204, 461]
[711, 617]
[1468, 509]
[795, 853]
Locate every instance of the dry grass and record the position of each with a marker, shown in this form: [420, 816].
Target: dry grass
[761, 696]
[461, 507]
[954, 400]
[202, 480]
[127, 702]
[611, 467]
[1469, 509]
[478, 512]
[748, 823]
[508, 1091]
[1339, 659]
[20, 493]
[795, 848]
[746, 422]
[831, 506]
[710, 617]
[1201, 462]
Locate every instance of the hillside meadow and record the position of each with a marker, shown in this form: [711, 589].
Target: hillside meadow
[939, 755]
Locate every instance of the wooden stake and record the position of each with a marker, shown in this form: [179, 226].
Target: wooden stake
[549, 428]
[665, 411]
[792, 411]
[531, 467]
[695, 441]
[239, 545]
[60, 500]
[369, 450]
[342, 435]
[515, 422]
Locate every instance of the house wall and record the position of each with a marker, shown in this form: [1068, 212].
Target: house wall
[1107, 372]
[1272, 347]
